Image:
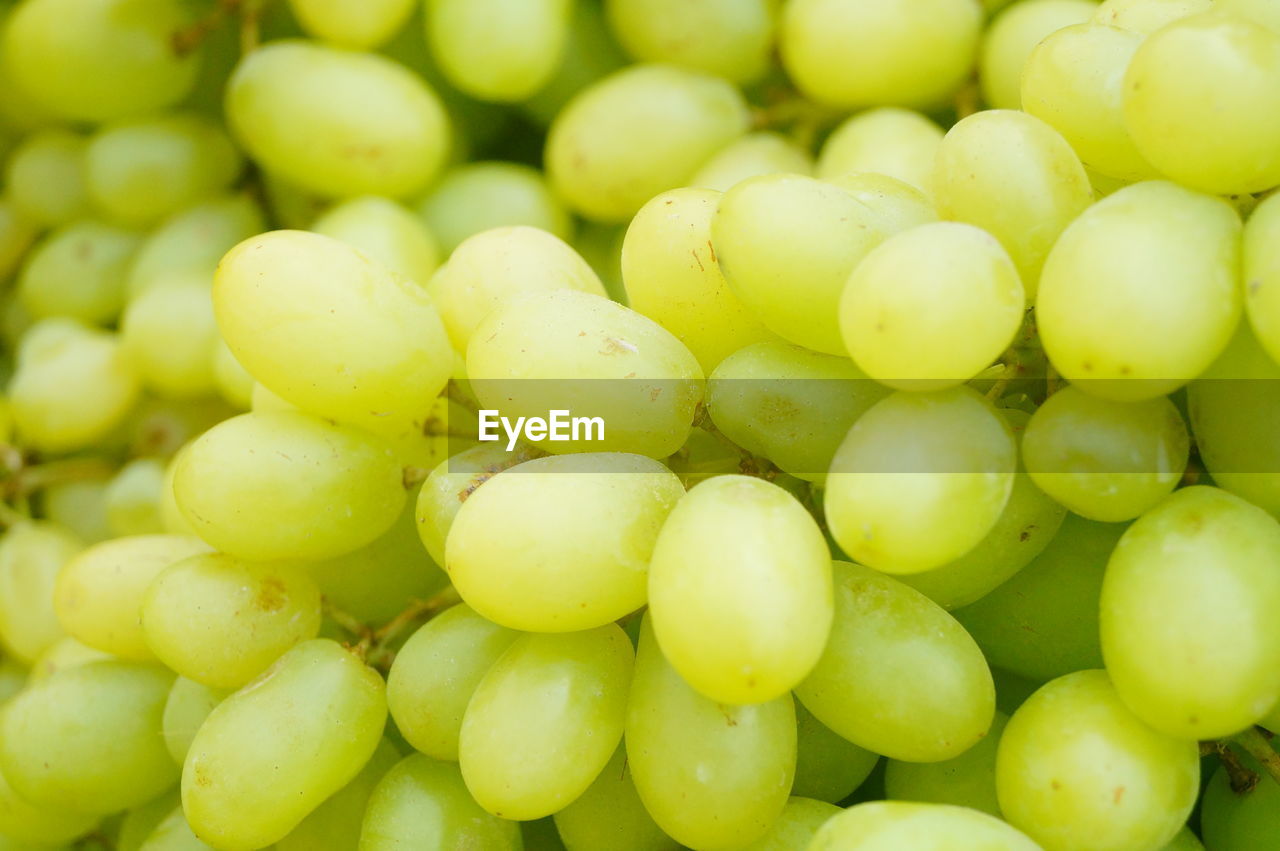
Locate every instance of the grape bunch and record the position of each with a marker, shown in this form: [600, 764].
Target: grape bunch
[634, 425]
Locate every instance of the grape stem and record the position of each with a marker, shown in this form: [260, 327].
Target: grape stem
[27, 480]
[372, 645]
[1011, 371]
[1257, 746]
[1242, 780]
[454, 392]
[748, 464]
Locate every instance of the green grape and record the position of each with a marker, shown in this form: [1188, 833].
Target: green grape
[191, 242]
[64, 653]
[234, 383]
[636, 133]
[710, 775]
[941, 461]
[306, 337]
[488, 269]
[137, 172]
[31, 554]
[280, 485]
[535, 353]
[1185, 840]
[435, 674]
[16, 235]
[609, 814]
[828, 767]
[1261, 272]
[797, 825]
[739, 558]
[1150, 243]
[44, 178]
[895, 825]
[137, 823]
[729, 38]
[95, 60]
[578, 533]
[361, 26]
[185, 709]
[173, 833]
[1263, 12]
[221, 621]
[337, 823]
[1073, 81]
[169, 335]
[1012, 175]
[23, 821]
[968, 780]
[853, 53]
[88, 738]
[1043, 622]
[1202, 102]
[335, 122]
[258, 767]
[886, 140]
[133, 498]
[899, 676]
[99, 592]
[1077, 770]
[544, 721]
[672, 276]
[481, 196]
[78, 271]
[498, 50]
[1012, 37]
[79, 506]
[1146, 16]
[931, 307]
[423, 804]
[752, 155]
[1232, 821]
[1195, 579]
[386, 232]
[899, 206]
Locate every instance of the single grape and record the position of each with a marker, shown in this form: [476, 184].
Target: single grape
[887, 140]
[45, 180]
[78, 271]
[31, 555]
[185, 709]
[169, 334]
[729, 38]
[498, 50]
[968, 780]
[480, 196]
[1239, 821]
[1261, 272]
[1011, 38]
[610, 814]
[894, 825]
[133, 498]
[755, 154]
[361, 26]
[828, 766]
[191, 242]
[386, 232]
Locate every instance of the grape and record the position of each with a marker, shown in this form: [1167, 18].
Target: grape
[94, 60]
[1233, 821]
[133, 498]
[544, 721]
[422, 803]
[81, 507]
[258, 767]
[710, 775]
[672, 276]
[169, 335]
[234, 384]
[881, 629]
[887, 140]
[899, 206]
[88, 738]
[173, 833]
[482, 196]
[1146, 16]
[16, 235]
[45, 178]
[191, 242]
[828, 767]
[1262, 275]
[185, 709]
[609, 814]
[894, 825]
[636, 133]
[941, 461]
[78, 271]
[31, 554]
[740, 559]
[579, 531]
[22, 821]
[1012, 37]
[338, 822]
[1202, 102]
[66, 652]
[1184, 840]
[854, 53]
[728, 38]
[335, 122]
[968, 780]
[750, 156]
[1076, 770]
[137, 823]
[387, 233]
[799, 822]
[361, 26]
[497, 50]
[1013, 176]
[1150, 243]
[909, 295]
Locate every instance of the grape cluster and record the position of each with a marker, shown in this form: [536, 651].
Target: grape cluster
[934, 347]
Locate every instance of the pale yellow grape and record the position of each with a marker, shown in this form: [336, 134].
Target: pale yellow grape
[741, 559]
[578, 534]
[898, 205]
[729, 38]
[1262, 11]
[1146, 16]
[480, 196]
[636, 133]
[173, 833]
[423, 803]
[185, 709]
[762, 152]
[175, 522]
[828, 766]
[858, 53]
[1195, 579]
[497, 50]
[887, 140]
[1012, 37]
[1015, 177]
[307, 335]
[221, 621]
[899, 676]
[137, 823]
[968, 780]
[942, 461]
[257, 766]
[169, 335]
[72, 385]
[192, 242]
[235, 385]
[896, 825]
[133, 498]
[672, 275]
[529, 357]
[338, 123]
[281, 485]
[610, 814]
[1261, 274]
[99, 592]
[1079, 772]
[16, 236]
[78, 271]
[361, 26]
[31, 554]
[338, 822]
[88, 738]
[488, 269]
[66, 652]
[931, 307]
[44, 178]
[1148, 245]
[386, 232]
[80, 507]
[797, 825]
[94, 60]
[710, 775]
[544, 721]
[1202, 102]
[24, 822]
